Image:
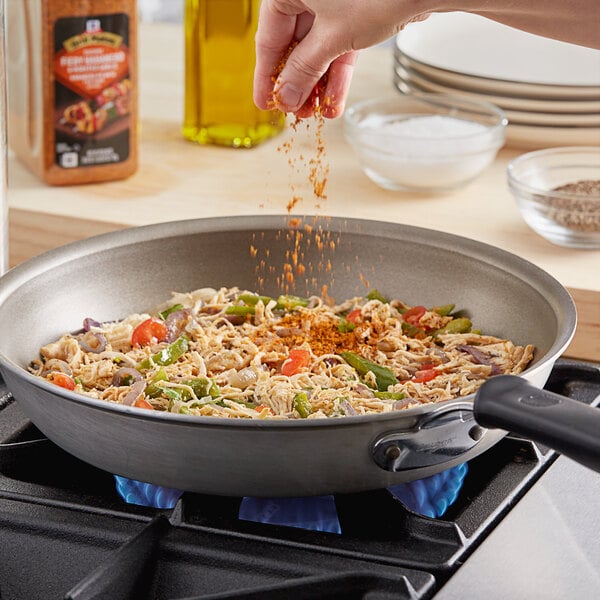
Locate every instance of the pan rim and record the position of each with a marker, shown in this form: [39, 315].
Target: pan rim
[496, 257]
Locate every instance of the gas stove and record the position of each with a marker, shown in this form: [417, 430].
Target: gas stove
[66, 532]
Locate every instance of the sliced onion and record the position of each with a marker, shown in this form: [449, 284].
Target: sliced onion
[402, 404]
[481, 358]
[233, 319]
[330, 361]
[364, 391]
[93, 341]
[313, 302]
[56, 364]
[439, 353]
[348, 408]
[176, 323]
[125, 373]
[243, 378]
[88, 323]
[137, 389]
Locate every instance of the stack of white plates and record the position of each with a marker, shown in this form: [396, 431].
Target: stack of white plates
[549, 90]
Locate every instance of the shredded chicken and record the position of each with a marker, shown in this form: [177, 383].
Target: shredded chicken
[238, 353]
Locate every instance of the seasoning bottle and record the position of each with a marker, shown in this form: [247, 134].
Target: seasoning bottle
[72, 83]
[219, 70]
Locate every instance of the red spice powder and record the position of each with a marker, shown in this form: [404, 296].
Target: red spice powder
[301, 236]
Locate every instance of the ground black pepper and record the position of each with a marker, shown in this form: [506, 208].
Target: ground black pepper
[580, 210]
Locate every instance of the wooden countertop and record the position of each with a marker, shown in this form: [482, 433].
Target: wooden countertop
[177, 180]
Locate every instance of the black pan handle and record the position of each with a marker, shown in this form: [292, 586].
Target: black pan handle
[565, 425]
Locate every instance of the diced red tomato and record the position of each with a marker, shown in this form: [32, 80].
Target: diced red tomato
[354, 316]
[424, 375]
[413, 315]
[141, 402]
[262, 407]
[62, 380]
[150, 331]
[298, 360]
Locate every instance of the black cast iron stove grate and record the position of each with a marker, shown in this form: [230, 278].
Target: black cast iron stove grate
[66, 533]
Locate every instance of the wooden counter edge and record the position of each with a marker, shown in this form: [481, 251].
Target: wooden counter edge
[32, 233]
[586, 343]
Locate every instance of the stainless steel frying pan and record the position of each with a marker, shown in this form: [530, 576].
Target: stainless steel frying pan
[110, 276]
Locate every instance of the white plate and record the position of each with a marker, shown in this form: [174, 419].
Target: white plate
[534, 137]
[504, 102]
[498, 86]
[474, 45]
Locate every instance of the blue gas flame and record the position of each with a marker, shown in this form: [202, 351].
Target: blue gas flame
[429, 497]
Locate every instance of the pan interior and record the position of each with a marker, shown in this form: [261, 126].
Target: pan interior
[111, 276]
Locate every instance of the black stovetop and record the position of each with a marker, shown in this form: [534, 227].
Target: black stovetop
[66, 533]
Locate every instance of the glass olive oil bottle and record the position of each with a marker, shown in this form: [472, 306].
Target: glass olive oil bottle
[219, 71]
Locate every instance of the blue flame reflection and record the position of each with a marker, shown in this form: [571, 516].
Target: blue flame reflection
[433, 495]
[146, 494]
[317, 513]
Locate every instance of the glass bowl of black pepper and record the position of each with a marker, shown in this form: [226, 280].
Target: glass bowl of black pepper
[558, 193]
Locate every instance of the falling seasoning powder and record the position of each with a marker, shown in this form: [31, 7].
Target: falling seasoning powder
[430, 151]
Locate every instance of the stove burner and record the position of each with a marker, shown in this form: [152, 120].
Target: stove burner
[429, 497]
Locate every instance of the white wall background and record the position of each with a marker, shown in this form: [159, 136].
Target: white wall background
[160, 10]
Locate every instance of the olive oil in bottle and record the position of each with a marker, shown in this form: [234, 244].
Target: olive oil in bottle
[219, 71]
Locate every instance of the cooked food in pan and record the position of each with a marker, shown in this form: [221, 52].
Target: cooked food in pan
[236, 354]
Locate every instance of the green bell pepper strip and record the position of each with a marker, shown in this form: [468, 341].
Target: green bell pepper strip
[152, 389]
[458, 325]
[345, 326]
[167, 356]
[444, 310]
[376, 295]
[284, 302]
[411, 330]
[288, 302]
[389, 395]
[165, 313]
[383, 376]
[252, 299]
[202, 387]
[240, 310]
[302, 404]
[172, 393]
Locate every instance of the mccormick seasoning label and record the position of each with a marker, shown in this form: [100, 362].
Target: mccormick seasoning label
[92, 120]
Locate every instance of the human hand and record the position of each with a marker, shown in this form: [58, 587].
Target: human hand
[328, 35]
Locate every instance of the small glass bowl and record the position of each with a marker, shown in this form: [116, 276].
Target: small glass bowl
[424, 142]
[567, 217]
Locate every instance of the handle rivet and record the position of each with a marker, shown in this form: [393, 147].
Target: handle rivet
[392, 452]
[476, 432]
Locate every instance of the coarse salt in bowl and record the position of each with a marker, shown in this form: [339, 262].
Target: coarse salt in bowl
[424, 142]
[558, 193]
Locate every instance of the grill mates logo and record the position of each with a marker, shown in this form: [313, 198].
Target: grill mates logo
[102, 38]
